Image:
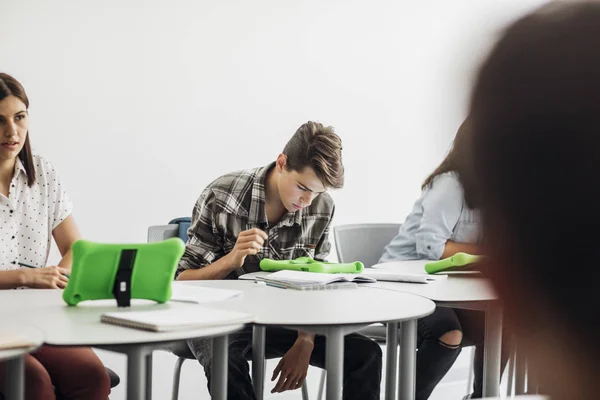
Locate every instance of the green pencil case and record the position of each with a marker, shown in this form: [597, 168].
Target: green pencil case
[123, 271]
[310, 265]
[457, 262]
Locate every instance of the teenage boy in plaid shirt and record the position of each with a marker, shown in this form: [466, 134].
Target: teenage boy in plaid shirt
[279, 211]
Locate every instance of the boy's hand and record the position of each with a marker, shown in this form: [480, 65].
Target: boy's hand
[293, 366]
[248, 243]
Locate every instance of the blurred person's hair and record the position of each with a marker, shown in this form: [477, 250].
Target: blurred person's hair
[535, 112]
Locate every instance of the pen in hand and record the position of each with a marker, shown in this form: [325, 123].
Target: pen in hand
[26, 265]
[33, 266]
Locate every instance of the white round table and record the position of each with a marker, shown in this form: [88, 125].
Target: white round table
[334, 314]
[464, 291]
[80, 326]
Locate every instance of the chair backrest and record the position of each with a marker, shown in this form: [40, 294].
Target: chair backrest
[176, 228]
[157, 233]
[184, 224]
[363, 242]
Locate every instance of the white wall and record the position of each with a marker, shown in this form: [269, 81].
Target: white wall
[140, 104]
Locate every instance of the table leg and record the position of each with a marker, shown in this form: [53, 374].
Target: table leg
[219, 369]
[391, 361]
[492, 347]
[408, 359]
[136, 373]
[258, 360]
[15, 378]
[334, 363]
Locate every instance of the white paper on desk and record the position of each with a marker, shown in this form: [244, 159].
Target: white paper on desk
[397, 276]
[201, 294]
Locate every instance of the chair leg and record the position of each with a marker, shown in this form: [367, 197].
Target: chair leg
[471, 373]
[321, 384]
[304, 390]
[520, 368]
[532, 383]
[512, 362]
[176, 378]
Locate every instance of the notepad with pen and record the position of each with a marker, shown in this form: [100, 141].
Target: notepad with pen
[300, 280]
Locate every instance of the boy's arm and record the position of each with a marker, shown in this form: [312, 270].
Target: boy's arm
[204, 257]
[293, 366]
[204, 245]
[324, 246]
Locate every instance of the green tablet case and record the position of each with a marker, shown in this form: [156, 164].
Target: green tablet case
[123, 271]
[459, 261]
[310, 265]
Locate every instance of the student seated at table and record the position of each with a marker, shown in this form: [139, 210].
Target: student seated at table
[536, 157]
[440, 225]
[279, 211]
[34, 207]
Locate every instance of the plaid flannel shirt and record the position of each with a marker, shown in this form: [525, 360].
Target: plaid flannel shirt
[234, 203]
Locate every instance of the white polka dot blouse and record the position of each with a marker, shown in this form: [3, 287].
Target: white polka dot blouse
[29, 215]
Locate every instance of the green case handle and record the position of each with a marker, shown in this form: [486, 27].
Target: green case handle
[457, 260]
[310, 265]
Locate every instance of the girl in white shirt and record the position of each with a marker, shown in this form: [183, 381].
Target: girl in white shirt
[34, 207]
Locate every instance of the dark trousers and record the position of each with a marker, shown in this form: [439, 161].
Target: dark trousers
[362, 361]
[434, 359]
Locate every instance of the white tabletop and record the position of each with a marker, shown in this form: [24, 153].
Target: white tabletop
[457, 288]
[80, 325]
[274, 306]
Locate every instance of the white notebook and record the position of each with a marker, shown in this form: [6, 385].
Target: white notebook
[201, 294]
[175, 319]
[397, 276]
[302, 280]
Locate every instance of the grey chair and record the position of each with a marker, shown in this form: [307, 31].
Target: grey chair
[180, 349]
[365, 243]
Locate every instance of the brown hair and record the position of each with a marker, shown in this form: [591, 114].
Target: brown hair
[318, 147]
[536, 154]
[9, 86]
[457, 158]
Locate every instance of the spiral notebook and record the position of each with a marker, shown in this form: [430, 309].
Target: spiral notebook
[175, 319]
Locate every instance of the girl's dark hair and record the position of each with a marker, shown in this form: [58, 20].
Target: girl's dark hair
[9, 86]
[457, 160]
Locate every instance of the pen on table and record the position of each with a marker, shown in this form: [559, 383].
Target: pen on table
[33, 266]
